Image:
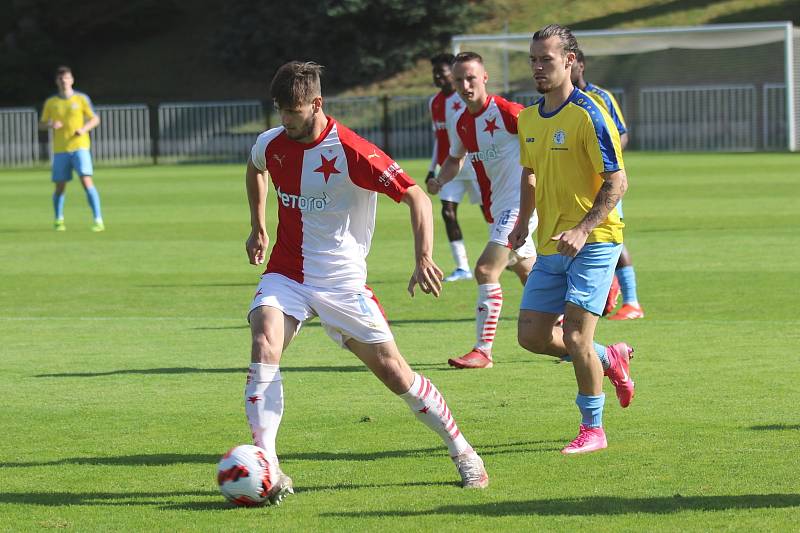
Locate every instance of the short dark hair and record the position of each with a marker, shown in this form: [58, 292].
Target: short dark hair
[296, 83]
[463, 57]
[579, 56]
[63, 69]
[444, 58]
[568, 41]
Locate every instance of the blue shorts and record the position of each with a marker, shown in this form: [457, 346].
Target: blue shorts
[583, 280]
[65, 162]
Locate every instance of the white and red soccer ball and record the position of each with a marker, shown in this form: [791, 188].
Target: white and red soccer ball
[243, 475]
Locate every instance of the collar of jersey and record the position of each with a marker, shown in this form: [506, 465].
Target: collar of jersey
[554, 113]
[321, 137]
[488, 101]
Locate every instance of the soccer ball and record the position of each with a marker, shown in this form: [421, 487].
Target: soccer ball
[243, 475]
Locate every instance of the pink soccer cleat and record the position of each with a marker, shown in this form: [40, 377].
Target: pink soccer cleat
[619, 356]
[477, 358]
[588, 440]
[613, 296]
[628, 312]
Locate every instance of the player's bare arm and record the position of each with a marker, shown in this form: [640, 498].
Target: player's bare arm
[91, 124]
[623, 140]
[426, 273]
[256, 182]
[527, 204]
[450, 168]
[615, 184]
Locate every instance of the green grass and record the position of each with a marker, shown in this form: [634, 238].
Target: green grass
[123, 357]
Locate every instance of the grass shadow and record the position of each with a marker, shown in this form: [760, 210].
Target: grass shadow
[596, 506]
[776, 427]
[232, 370]
[166, 459]
[54, 499]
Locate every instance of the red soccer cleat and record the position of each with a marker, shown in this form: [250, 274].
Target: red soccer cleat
[619, 355]
[628, 312]
[613, 296]
[588, 440]
[477, 358]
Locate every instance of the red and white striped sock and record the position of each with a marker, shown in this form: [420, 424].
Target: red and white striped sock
[429, 407]
[263, 404]
[487, 313]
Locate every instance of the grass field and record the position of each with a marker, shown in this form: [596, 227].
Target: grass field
[123, 357]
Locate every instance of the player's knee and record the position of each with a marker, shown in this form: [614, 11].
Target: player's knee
[449, 212]
[532, 341]
[265, 351]
[486, 273]
[576, 341]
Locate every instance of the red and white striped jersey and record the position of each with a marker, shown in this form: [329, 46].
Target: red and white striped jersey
[326, 203]
[489, 138]
[445, 110]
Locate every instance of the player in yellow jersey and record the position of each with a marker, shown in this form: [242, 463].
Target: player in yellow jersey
[574, 176]
[625, 278]
[70, 116]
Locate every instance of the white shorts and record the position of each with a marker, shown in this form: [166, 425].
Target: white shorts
[454, 190]
[345, 314]
[502, 226]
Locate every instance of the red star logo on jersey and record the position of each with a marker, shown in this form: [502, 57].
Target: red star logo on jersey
[456, 106]
[491, 126]
[424, 410]
[327, 167]
[253, 399]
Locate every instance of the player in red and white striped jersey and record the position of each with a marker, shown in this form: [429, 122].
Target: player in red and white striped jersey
[445, 108]
[326, 179]
[486, 133]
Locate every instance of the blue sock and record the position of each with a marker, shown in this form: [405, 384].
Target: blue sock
[627, 282]
[94, 202]
[601, 354]
[591, 408]
[58, 205]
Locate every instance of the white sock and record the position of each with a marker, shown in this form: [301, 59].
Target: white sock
[430, 408]
[263, 404]
[487, 314]
[459, 254]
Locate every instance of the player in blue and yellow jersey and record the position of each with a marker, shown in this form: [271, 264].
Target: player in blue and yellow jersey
[69, 114]
[625, 278]
[574, 176]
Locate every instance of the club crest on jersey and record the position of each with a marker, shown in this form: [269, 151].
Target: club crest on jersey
[303, 203]
[559, 137]
[388, 176]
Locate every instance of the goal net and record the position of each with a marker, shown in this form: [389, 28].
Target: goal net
[724, 87]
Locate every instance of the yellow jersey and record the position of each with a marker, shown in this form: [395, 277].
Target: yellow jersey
[72, 112]
[609, 103]
[568, 149]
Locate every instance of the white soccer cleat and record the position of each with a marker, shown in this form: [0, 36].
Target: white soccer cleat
[281, 487]
[459, 274]
[473, 474]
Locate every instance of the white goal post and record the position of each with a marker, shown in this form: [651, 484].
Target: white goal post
[748, 75]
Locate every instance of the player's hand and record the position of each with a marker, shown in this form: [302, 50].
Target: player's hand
[256, 246]
[428, 276]
[57, 125]
[518, 236]
[433, 184]
[570, 242]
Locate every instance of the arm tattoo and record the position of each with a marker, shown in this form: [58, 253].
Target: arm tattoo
[607, 198]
